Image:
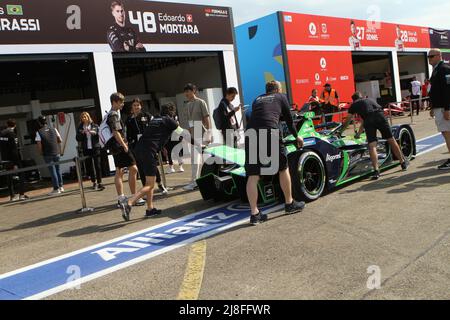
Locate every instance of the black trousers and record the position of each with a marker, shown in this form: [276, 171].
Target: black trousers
[170, 146]
[20, 183]
[229, 138]
[93, 165]
[328, 108]
[415, 104]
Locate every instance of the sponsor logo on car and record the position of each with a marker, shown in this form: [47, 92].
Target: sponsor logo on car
[333, 158]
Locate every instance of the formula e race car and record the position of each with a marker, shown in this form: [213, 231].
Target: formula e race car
[328, 160]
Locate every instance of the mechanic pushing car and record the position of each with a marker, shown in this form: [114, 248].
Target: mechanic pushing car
[264, 124]
[373, 119]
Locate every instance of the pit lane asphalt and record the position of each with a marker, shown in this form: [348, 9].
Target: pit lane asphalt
[400, 224]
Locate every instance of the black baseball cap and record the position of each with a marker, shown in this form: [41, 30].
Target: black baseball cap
[327, 85]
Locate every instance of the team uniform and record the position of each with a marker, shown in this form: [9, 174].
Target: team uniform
[155, 137]
[400, 45]
[374, 119]
[122, 159]
[118, 36]
[9, 147]
[355, 43]
[267, 111]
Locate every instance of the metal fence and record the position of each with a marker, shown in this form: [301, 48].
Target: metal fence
[77, 161]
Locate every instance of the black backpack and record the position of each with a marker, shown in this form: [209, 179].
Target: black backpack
[218, 118]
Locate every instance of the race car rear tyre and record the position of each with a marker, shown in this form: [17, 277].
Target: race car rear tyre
[308, 176]
[406, 143]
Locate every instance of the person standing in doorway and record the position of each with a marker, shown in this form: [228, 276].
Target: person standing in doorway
[174, 147]
[440, 97]
[330, 99]
[229, 121]
[194, 113]
[425, 94]
[9, 147]
[416, 88]
[49, 145]
[87, 135]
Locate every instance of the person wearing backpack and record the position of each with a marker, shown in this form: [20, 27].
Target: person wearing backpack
[118, 146]
[225, 118]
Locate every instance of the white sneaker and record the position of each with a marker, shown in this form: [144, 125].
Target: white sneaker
[163, 190]
[170, 170]
[120, 199]
[54, 192]
[140, 203]
[190, 187]
[181, 169]
[61, 190]
[15, 198]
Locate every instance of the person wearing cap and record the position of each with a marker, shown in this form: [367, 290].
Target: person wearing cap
[440, 97]
[330, 99]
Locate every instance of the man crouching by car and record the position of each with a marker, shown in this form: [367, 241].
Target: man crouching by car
[263, 138]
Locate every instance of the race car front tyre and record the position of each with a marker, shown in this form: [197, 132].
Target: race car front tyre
[308, 176]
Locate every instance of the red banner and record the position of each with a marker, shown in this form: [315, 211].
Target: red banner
[331, 67]
[303, 29]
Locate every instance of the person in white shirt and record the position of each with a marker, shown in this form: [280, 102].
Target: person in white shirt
[416, 88]
[399, 44]
[354, 42]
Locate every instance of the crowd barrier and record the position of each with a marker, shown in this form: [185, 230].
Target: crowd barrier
[77, 161]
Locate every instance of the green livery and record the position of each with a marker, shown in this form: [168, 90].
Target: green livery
[327, 160]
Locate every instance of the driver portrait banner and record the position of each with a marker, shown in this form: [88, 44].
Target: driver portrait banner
[356, 35]
[124, 25]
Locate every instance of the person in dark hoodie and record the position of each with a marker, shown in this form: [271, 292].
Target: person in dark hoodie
[87, 135]
[10, 153]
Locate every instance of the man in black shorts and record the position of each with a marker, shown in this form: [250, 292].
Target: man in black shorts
[123, 158]
[262, 129]
[136, 124]
[155, 137]
[373, 119]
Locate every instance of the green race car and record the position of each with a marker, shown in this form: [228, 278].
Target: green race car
[327, 161]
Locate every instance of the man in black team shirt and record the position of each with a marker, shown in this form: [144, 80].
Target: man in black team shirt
[136, 124]
[121, 38]
[267, 111]
[9, 148]
[155, 137]
[373, 119]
